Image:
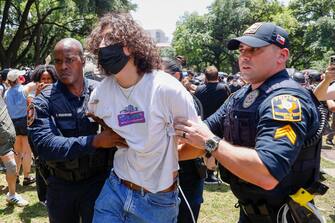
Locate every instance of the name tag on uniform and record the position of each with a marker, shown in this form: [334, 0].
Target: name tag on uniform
[130, 115]
[62, 115]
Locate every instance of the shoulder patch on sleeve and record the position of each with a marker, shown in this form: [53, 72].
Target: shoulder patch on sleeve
[286, 108]
[31, 114]
[286, 131]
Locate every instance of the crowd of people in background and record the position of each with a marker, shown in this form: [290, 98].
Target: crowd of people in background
[208, 84]
[209, 88]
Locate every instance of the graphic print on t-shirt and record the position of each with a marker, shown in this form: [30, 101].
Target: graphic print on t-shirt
[130, 115]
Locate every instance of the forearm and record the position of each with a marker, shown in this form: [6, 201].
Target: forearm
[246, 164]
[30, 87]
[53, 147]
[321, 90]
[188, 152]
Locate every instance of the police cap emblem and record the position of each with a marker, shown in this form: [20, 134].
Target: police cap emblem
[253, 29]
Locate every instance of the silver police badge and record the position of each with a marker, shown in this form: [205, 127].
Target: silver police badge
[250, 99]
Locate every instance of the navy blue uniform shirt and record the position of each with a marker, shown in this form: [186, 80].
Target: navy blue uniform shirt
[59, 128]
[284, 115]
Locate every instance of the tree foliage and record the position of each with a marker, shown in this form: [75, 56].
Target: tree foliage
[313, 36]
[167, 52]
[190, 39]
[203, 38]
[30, 28]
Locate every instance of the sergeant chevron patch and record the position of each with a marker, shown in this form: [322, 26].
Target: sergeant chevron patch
[286, 131]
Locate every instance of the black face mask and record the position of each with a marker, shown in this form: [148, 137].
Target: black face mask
[112, 58]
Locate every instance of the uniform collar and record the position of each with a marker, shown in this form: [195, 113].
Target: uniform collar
[62, 87]
[276, 78]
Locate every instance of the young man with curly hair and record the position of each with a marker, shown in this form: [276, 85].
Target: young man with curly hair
[139, 102]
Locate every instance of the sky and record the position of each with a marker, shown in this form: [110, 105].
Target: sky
[163, 14]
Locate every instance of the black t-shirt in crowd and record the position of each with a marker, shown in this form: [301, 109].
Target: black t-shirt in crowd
[212, 96]
[234, 88]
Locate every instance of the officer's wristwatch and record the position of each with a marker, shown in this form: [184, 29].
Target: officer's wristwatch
[211, 145]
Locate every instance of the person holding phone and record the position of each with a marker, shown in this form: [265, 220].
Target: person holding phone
[326, 89]
[43, 76]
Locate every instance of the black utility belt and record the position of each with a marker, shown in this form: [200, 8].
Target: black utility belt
[76, 175]
[252, 209]
[260, 213]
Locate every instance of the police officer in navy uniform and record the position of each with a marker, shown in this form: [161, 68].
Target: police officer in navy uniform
[67, 140]
[263, 135]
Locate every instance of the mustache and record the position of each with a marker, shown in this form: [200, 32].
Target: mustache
[245, 64]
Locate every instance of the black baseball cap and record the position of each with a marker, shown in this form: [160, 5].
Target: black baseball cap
[261, 34]
[4, 73]
[171, 65]
[299, 77]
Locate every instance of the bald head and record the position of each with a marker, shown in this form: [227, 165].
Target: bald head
[69, 62]
[70, 43]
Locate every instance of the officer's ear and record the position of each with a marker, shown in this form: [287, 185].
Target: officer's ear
[283, 56]
[83, 60]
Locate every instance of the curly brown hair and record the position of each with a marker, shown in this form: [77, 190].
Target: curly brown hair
[123, 29]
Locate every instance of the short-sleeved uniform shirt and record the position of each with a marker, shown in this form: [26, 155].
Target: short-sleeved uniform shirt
[274, 119]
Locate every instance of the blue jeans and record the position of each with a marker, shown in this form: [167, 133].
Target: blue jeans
[117, 203]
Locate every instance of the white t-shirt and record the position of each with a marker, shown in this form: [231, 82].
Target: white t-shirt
[143, 114]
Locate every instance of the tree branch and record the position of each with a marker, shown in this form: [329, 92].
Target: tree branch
[47, 46]
[41, 19]
[34, 33]
[15, 43]
[63, 25]
[18, 11]
[4, 19]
